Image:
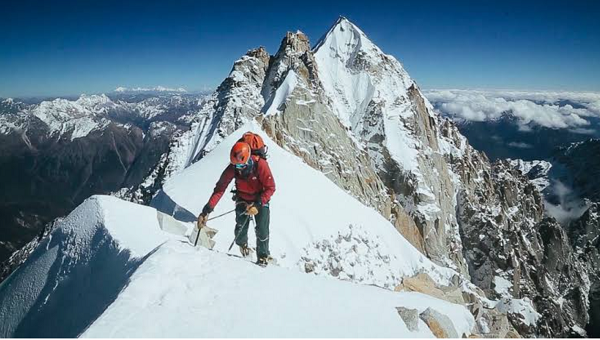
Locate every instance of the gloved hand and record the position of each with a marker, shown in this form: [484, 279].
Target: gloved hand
[202, 220]
[203, 217]
[251, 209]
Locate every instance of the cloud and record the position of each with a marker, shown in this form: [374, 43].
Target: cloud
[566, 206]
[557, 110]
[583, 131]
[520, 145]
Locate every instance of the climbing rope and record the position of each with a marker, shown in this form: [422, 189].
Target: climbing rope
[223, 214]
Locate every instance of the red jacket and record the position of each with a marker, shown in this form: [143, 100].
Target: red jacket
[259, 185]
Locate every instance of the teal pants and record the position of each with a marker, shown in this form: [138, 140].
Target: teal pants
[242, 222]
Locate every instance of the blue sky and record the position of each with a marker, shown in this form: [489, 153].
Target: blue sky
[68, 47]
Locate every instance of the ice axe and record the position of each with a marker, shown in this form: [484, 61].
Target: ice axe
[200, 227]
[198, 235]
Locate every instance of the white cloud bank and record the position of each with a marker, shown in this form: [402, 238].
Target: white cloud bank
[555, 110]
[150, 89]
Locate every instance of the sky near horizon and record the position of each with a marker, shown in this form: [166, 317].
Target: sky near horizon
[72, 47]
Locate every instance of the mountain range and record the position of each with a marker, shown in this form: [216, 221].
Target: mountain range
[375, 188]
[57, 153]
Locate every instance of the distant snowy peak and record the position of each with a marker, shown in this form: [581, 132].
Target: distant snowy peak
[122, 89]
[57, 118]
[529, 166]
[63, 110]
[77, 118]
[536, 171]
[10, 105]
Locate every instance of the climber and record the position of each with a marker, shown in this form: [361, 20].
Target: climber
[254, 187]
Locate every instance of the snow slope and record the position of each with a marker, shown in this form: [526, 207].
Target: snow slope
[109, 269]
[313, 221]
[79, 270]
[181, 292]
[282, 93]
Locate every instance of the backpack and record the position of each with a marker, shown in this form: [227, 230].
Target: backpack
[257, 145]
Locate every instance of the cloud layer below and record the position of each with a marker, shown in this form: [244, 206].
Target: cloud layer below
[556, 110]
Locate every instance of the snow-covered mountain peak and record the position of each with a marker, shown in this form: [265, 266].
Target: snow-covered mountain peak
[94, 100]
[9, 105]
[344, 39]
[351, 67]
[85, 105]
[63, 109]
[78, 118]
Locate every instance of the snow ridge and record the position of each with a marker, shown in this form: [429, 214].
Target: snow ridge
[94, 249]
[141, 273]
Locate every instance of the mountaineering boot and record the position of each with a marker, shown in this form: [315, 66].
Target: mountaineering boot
[244, 250]
[263, 261]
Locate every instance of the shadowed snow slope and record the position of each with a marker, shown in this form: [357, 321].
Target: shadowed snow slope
[74, 274]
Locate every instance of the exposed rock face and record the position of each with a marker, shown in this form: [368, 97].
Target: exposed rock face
[536, 171]
[494, 324]
[585, 235]
[308, 128]
[441, 182]
[514, 252]
[423, 283]
[235, 101]
[373, 96]
[563, 284]
[410, 318]
[440, 324]
[490, 320]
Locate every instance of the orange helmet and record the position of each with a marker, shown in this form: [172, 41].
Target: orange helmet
[240, 153]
